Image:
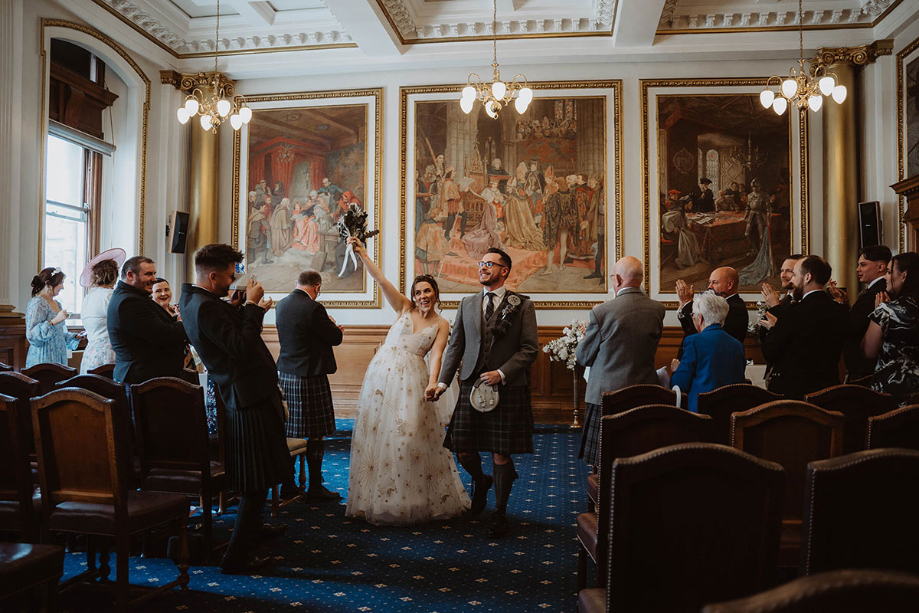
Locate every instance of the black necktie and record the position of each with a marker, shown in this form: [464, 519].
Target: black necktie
[490, 307]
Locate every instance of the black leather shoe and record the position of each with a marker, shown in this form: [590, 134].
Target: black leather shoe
[480, 495]
[270, 532]
[320, 494]
[497, 526]
[245, 566]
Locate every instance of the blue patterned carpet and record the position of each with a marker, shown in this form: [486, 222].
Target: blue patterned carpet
[327, 562]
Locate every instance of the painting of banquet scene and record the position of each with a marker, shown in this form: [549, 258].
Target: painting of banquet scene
[533, 185]
[724, 196]
[306, 167]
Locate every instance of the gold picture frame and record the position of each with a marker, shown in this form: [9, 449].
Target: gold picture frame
[906, 57]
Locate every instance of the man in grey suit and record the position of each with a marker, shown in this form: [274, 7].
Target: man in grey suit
[619, 346]
[494, 335]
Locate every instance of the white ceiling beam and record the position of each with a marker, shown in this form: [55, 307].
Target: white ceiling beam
[367, 26]
[636, 23]
[258, 12]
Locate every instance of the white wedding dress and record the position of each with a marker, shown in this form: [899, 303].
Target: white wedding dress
[400, 471]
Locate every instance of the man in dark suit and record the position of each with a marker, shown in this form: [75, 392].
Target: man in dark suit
[494, 335]
[775, 303]
[704, 201]
[871, 269]
[227, 336]
[619, 346]
[723, 281]
[805, 343]
[148, 342]
[307, 335]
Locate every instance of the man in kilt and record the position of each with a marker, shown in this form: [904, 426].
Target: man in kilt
[227, 336]
[307, 335]
[494, 335]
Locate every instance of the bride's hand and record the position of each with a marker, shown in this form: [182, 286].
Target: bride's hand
[432, 392]
[357, 246]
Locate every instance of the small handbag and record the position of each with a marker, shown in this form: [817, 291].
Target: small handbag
[483, 397]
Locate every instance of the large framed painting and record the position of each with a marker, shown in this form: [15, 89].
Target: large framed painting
[725, 184]
[543, 185]
[908, 121]
[303, 160]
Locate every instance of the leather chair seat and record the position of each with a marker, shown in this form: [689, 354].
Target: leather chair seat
[593, 487]
[587, 533]
[145, 510]
[185, 481]
[296, 446]
[10, 519]
[592, 600]
[23, 566]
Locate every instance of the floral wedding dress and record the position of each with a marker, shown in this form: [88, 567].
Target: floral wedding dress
[400, 471]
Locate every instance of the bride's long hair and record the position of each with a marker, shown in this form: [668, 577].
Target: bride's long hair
[433, 283]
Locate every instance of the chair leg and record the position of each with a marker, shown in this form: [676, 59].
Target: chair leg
[182, 560]
[302, 475]
[208, 521]
[122, 553]
[582, 567]
[90, 552]
[104, 569]
[275, 500]
[221, 503]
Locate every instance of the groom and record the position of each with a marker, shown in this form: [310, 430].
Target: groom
[494, 335]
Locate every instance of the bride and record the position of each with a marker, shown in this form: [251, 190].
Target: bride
[400, 471]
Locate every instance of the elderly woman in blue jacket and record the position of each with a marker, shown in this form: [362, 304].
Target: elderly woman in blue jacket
[712, 358]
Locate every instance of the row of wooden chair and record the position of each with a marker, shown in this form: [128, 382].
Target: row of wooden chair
[701, 523]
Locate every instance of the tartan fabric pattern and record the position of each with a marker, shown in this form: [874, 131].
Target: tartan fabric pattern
[309, 401]
[256, 452]
[506, 430]
[590, 437]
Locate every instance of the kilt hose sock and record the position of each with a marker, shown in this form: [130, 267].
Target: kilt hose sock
[248, 522]
[504, 481]
[472, 463]
[315, 449]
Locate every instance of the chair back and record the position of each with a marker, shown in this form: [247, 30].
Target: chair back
[106, 370]
[857, 403]
[692, 524]
[47, 374]
[5, 367]
[171, 426]
[861, 512]
[15, 475]
[636, 396]
[99, 384]
[76, 435]
[899, 428]
[839, 591]
[720, 403]
[23, 389]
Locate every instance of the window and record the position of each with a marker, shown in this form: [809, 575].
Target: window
[713, 169]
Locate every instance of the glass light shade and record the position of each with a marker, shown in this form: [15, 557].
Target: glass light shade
[236, 121]
[521, 104]
[183, 115]
[468, 93]
[827, 84]
[526, 94]
[466, 104]
[490, 109]
[498, 89]
[191, 105]
[206, 122]
[789, 88]
[815, 102]
[779, 105]
[246, 114]
[839, 93]
[223, 107]
[766, 97]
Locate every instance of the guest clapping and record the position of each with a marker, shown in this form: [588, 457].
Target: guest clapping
[46, 331]
[713, 357]
[99, 275]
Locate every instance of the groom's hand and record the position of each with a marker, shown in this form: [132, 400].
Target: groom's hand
[492, 377]
[433, 392]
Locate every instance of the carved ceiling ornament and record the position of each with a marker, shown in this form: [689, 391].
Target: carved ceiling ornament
[859, 56]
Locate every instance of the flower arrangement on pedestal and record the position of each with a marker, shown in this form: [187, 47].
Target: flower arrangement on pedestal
[563, 348]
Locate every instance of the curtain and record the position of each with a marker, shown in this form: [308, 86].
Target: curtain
[256, 170]
[317, 171]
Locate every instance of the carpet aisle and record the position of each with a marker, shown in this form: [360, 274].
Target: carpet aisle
[329, 563]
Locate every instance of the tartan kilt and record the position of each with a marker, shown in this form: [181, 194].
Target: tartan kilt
[309, 401]
[506, 430]
[256, 450]
[590, 436]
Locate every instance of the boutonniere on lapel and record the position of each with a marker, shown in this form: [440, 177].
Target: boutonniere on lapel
[508, 313]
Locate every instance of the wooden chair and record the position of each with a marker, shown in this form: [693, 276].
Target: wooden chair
[25, 570]
[791, 433]
[690, 524]
[637, 396]
[5, 367]
[48, 374]
[720, 403]
[861, 512]
[622, 435]
[898, 428]
[296, 447]
[77, 434]
[23, 389]
[839, 591]
[106, 370]
[172, 443]
[857, 403]
[17, 512]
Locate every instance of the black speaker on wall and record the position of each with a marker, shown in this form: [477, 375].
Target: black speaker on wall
[177, 231]
[869, 224]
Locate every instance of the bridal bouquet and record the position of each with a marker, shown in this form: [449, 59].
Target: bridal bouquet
[753, 326]
[563, 348]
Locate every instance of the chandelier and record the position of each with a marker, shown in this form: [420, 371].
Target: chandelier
[497, 94]
[803, 88]
[749, 158]
[220, 101]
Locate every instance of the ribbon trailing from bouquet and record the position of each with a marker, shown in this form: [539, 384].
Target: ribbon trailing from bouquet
[353, 223]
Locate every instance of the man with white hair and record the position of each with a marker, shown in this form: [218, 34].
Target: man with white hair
[619, 346]
[712, 358]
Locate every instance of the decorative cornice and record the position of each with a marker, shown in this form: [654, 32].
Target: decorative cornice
[859, 56]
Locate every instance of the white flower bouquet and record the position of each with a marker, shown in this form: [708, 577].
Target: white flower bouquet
[753, 326]
[563, 348]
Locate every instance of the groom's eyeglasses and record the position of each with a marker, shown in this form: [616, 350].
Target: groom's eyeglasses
[490, 264]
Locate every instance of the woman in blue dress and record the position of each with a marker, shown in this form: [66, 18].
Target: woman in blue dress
[49, 340]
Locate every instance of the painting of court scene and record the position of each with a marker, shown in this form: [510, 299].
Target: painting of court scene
[912, 118]
[724, 195]
[306, 167]
[531, 184]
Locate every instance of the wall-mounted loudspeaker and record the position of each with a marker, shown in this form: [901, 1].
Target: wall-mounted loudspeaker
[177, 232]
[869, 224]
